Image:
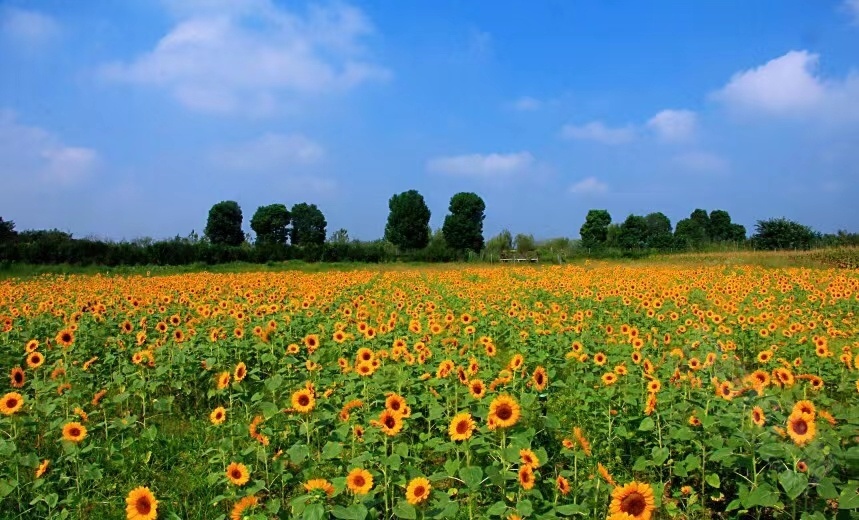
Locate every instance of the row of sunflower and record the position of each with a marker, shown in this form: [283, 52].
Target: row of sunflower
[605, 392]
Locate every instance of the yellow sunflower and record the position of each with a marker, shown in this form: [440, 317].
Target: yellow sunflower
[801, 428]
[526, 477]
[74, 432]
[238, 473]
[418, 490]
[635, 499]
[141, 504]
[218, 415]
[504, 411]
[11, 403]
[461, 427]
[303, 401]
[359, 481]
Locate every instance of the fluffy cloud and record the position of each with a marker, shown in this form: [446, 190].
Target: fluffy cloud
[27, 28]
[701, 162]
[674, 125]
[482, 165]
[599, 132]
[268, 152]
[29, 154]
[589, 186]
[253, 57]
[791, 86]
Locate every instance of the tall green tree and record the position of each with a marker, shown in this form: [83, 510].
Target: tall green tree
[692, 232]
[524, 243]
[408, 221]
[463, 227]
[308, 225]
[659, 234]
[781, 233]
[224, 226]
[271, 224]
[594, 231]
[501, 242]
[7, 230]
[633, 232]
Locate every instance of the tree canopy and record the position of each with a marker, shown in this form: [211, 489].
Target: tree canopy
[270, 223]
[781, 233]
[408, 221]
[308, 225]
[463, 227]
[224, 226]
[594, 231]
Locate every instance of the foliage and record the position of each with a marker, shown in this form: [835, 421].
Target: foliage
[224, 226]
[408, 221]
[7, 231]
[594, 231]
[341, 236]
[308, 225]
[523, 242]
[633, 232]
[503, 241]
[658, 234]
[463, 227]
[270, 223]
[781, 233]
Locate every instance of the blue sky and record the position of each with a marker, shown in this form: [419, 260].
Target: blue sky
[128, 119]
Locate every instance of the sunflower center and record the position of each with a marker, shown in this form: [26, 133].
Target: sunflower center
[390, 422]
[359, 481]
[420, 491]
[461, 427]
[19, 377]
[236, 474]
[634, 504]
[395, 405]
[11, 402]
[143, 505]
[74, 432]
[504, 412]
[303, 400]
[800, 427]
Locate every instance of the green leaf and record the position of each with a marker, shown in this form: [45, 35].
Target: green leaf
[571, 509]
[793, 483]
[298, 453]
[51, 500]
[763, 495]
[647, 424]
[849, 497]
[524, 507]
[269, 410]
[826, 489]
[331, 450]
[314, 511]
[472, 476]
[273, 382]
[451, 466]
[393, 462]
[405, 510]
[497, 509]
[641, 464]
[353, 512]
[660, 455]
[713, 480]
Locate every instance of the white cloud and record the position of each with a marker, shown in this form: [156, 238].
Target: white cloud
[27, 28]
[269, 152]
[701, 162]
[674, 125]
[29, 154]
[527, 104]
[482, 165]
[599, 132]
[479, 43]
[589, 186]
[852, 7]
[253, 57]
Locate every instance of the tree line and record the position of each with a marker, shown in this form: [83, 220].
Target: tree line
[300, 232]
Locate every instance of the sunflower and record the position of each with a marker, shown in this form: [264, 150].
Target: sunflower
[758, 416]
[461, 427]
[801, 428]
[43, 467]
[526, 477]
[239, 508]
[238, 473]
[418, 490]
[11, 403]
[540, 378]
[141, 504]
[303, 401]
[32, 345]
[359, 481]
[529, 458]
[223, 380]
[609, 378]
[476, 388]
[600, 359]
[218, 415]
[504, 411]
[390, 422]
[563, 485]
[805, 406]
[311, 341]
[17, 378]
[396, 403]
[35, 360]
[620, 516]
[321, 484]
[65, 337]
[74, 432]
[635, 499]
[240, 372]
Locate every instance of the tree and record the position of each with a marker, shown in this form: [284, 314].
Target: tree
[693, 231]
[408, 221]
[594, 231]
[270, 224]
[633, 232]
[308, 225]
[738, 233]
[224, 226]
[658, 231]
[719, 227]
[341, 236]
[463, 228]
[501, 242]
[781, 233]
[7, 231]
[524, 243]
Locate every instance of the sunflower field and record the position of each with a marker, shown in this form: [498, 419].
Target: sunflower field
[603, 390]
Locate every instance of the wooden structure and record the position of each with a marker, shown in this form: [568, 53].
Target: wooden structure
[516, 256]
